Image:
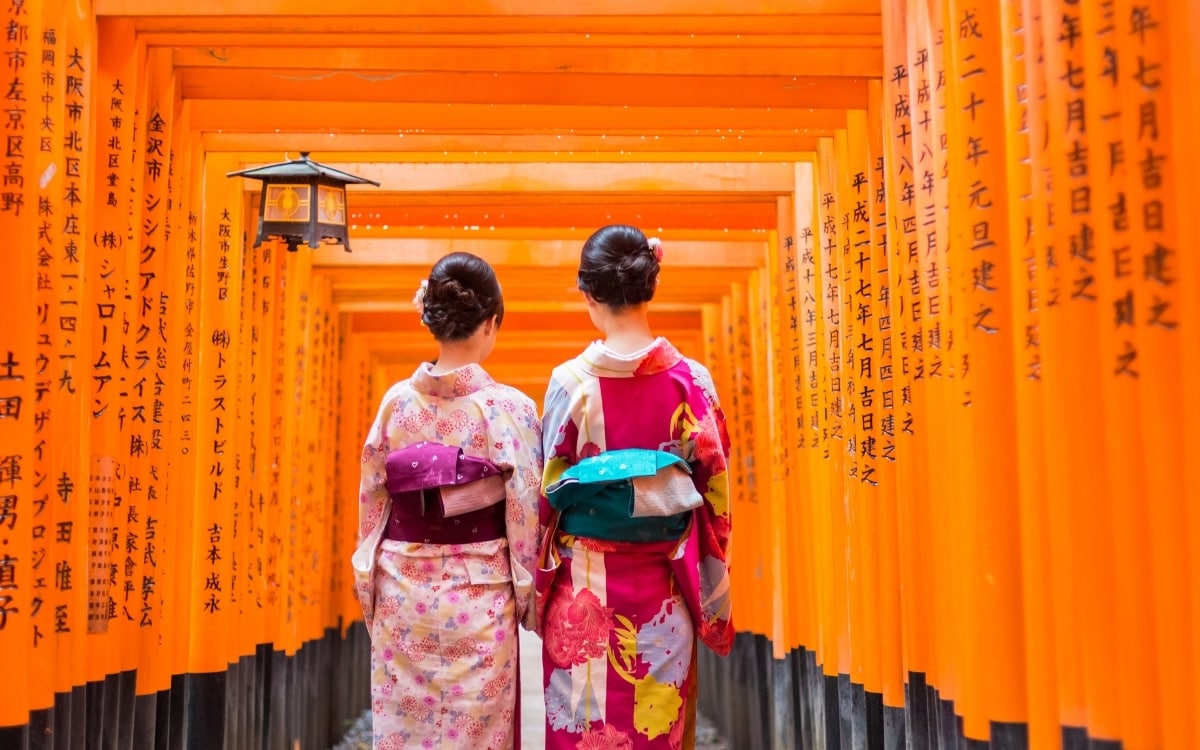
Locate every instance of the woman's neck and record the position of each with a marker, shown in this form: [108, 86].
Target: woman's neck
[628, 330]
[455, 354]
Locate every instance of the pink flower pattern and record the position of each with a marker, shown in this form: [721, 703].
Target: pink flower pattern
[441, 673]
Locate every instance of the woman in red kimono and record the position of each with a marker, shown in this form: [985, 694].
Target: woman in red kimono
[637, 497]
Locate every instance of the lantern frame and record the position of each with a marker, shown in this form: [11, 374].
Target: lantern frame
[302, 201]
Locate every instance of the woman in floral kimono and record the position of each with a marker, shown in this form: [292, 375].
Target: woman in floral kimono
[636, 497]
[448, 524]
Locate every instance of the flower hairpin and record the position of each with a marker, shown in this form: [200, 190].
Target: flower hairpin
[656, 248]
[419, 298]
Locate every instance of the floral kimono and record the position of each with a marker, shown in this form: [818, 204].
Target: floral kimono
[442, 597]
[636, 496]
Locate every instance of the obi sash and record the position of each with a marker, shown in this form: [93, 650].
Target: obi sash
[442, 496]
[641, 496]
[628, 495]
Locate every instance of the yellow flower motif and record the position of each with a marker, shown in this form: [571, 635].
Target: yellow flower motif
[554, 470]
[655, 706]
[717, 494]
[688, 426]
[626, 635]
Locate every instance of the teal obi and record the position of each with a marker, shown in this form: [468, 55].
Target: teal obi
[627, 495]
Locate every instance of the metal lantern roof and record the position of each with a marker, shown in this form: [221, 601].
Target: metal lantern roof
[302, 201]
[302, 168]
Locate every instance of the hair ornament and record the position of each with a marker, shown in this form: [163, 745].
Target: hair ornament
[656, 247]
[419, 299]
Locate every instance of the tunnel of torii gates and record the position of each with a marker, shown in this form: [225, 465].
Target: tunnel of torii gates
[938, 254]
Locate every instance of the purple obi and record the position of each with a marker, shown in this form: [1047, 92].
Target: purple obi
[441, 496]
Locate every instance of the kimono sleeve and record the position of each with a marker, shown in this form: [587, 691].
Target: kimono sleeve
[372, 504]
[372, 494]
[705, 442]
[520, 447]
[559, 438]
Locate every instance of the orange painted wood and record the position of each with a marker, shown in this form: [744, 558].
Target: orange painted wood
[168, 350]
[1074, 349]
[185, 343]
[741, 434]
[862, 378]
[312, 554]
[212, 613]
[679, 179]
[240, 114]
[246, 565]
[219, 30]
[1151, 690]
[297, 381]
[327, 568]
[935, 346]
[71, 659]
[582, 57]
[809, 220]
[837, 656]
[275, 597]
[928, 404]
[252, 400]
[685, 144]
[776, 438]
[948, 410]
[153, 380]
[1022, 43]
[532, 35]
[108, 264]
[1099, 598]
[271, 264]
[735, 253]
[130, 458]
[19, 376]
[1167, 705]
[913, 519]
[766, 488]
[1066, 613]
[804, 380]
[724, 369]
[882, 378]
[1185, 93]
[480, 8]
[500, 202]
[756, 508]
[539, 213]
[788, 424]
[351, 392]
[849, 160]
[994, 637]
[57, 424]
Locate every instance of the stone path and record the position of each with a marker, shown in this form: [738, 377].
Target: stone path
[533, 715]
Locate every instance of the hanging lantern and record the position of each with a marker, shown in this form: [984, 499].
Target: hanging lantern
[302, 201]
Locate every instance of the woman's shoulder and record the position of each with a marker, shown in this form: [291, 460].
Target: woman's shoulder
[571, 371]
[513, 395]
[397, 390]
[697, 369]
[701, 378]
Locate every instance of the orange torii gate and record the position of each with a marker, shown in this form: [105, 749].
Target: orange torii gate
[934, 252]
